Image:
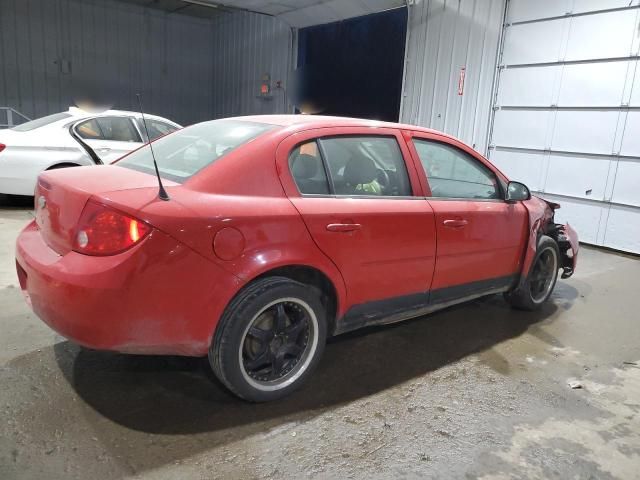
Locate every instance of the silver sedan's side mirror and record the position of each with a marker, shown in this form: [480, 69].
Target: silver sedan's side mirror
[517, 191]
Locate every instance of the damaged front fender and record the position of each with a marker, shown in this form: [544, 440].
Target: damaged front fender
[541, 222]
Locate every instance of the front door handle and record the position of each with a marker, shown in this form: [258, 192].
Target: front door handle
[343, 227]
[103, 149]
[455, 223]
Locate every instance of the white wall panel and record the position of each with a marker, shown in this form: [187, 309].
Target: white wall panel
[623, 229]
[577, 176]
[527, 86]
[445, 36]
[631, 139]
[521, 128]
[580, 131]
[626, 188]
[525, 167]
[604, 35]
[533, 42]
[601, 83]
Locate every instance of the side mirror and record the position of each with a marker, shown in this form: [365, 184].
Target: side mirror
[517, 191]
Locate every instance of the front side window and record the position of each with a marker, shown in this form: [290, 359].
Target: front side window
[357, 165]
[187, 151]
[452, 173]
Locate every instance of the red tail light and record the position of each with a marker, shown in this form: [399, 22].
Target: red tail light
[2, 146]
[104, 231]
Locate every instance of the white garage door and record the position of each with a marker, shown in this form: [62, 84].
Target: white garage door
[567, 113]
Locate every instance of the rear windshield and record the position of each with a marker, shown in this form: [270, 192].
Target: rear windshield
[185, 152]
[40, 122]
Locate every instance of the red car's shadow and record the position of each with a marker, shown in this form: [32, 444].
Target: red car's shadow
[173, 396]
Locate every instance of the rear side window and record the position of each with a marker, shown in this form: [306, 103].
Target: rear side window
[452, 173]
[357, 165]
[41, 122]
[89, 130]
[118, 129]
[187, 151]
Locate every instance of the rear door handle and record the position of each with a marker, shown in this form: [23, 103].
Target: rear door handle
[343, 227]
[458, 223]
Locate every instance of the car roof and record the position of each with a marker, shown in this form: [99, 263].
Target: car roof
[80, 113]
[306, 122]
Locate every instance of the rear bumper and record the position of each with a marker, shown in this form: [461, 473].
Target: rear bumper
[160, 297]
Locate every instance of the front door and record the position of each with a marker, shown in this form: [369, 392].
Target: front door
[356, 196]
[480, 236]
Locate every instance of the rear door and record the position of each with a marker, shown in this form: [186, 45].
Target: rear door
[481, 237]
[110, 137]
[356, 196]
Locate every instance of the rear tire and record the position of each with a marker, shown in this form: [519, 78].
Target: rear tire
[270, 339]
[541, 280]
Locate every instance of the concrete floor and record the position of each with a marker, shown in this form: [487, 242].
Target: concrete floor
[477, 391]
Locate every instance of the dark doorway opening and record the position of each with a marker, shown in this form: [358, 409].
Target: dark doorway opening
[353, 67]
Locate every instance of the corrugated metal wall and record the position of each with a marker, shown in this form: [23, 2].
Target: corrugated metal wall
[248, 47]
[445, 36]
[188, 69]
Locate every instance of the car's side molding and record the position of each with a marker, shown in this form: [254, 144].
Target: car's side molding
[397, 309]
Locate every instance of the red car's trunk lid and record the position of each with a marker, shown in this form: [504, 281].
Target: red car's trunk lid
[61, 195]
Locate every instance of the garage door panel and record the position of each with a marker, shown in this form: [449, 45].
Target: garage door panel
[635, 92]
[531, 86]
[584, 216]
[521, 128]
[533, 42]
[521, 10]
[593, 84]
[525, 167]
[631, 139]
[576, 176]
[585, 131]
[623, 229]
[589, 32]
[582, 6]
[571, 126]
[626, 188]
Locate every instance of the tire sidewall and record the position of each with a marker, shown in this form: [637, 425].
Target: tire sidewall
[545, 243]
[241, 312]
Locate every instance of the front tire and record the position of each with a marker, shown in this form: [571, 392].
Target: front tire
[541, 280]
[269, 339]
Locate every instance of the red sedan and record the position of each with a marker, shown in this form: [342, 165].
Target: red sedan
[278, 232]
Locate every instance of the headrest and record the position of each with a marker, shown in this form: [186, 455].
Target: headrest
[360, 170]
[305, 166]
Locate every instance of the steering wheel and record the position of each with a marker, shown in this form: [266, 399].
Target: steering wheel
[383, 178]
